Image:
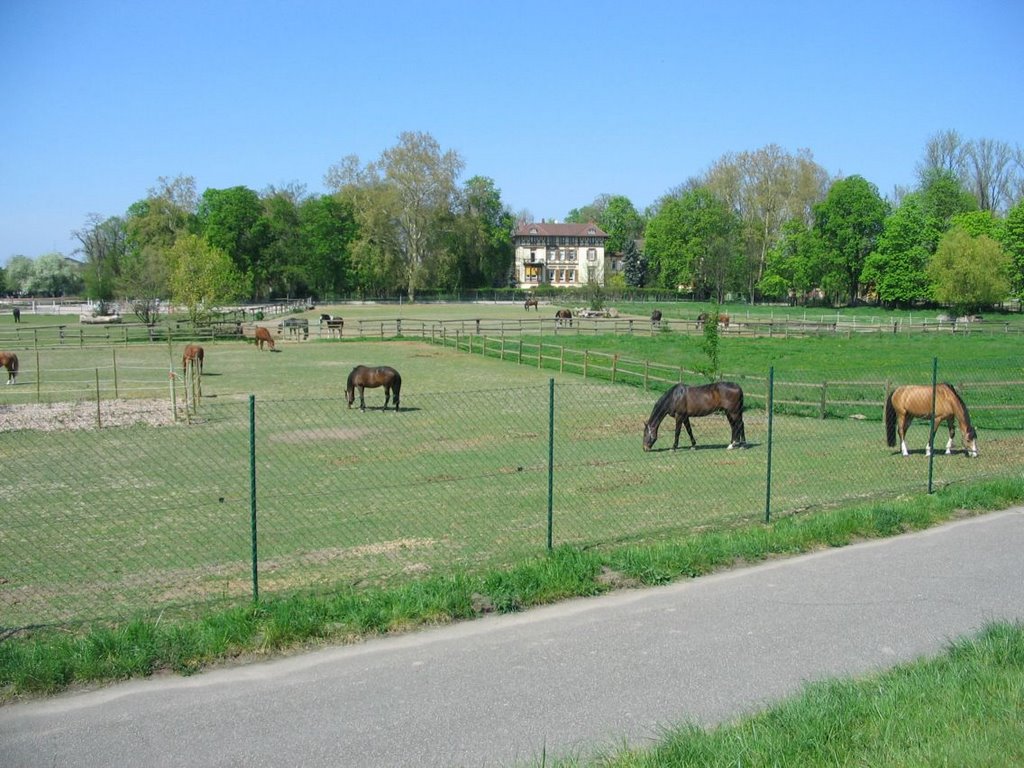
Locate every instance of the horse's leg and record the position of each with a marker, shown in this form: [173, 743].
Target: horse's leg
[735, 425]
[387, 395]
[679, 426]
[362, 400]
[901, 428]
[686, 423]
[949, 443]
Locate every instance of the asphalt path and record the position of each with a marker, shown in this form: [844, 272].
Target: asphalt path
[566, 679]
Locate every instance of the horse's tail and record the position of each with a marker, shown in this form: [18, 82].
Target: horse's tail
[969, 432]
[890, 421]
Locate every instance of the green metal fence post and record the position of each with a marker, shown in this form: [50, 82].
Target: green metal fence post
[768, 482]
[551, 461]
[252, 497]
[931, 424]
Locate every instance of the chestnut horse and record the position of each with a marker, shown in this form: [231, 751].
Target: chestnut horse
[194, 353]
[905, 403]
[9, 360]
[682, 402]
[263, 337]
[365, 376]
[531, 302]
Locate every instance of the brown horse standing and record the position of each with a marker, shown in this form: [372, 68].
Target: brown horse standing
[9, 360]
[194, 353]
[17, 314]
[531, 302]
[263, 337]
[562, 316]
[365, 376]
[656, 317]
[905, 403]
[682, 402]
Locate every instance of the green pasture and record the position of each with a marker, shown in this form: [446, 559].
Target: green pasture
[126, 519]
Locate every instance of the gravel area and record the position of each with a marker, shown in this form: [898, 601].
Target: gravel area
[55, 417]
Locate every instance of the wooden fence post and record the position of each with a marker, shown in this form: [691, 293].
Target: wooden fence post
[824, 398]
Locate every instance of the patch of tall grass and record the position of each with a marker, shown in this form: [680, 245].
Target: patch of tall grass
[965, 707]
[46, 661]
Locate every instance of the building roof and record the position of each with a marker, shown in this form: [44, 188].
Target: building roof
[547, 229]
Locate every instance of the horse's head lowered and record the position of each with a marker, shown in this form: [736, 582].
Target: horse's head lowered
[650, 434]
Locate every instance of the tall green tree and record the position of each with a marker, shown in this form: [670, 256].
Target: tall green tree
[1013, 246]
[19, 274]
[104, 244]
[849, 221]
[328, 228]
[203, 276]
[481, 236]
[403, 202]
[969, 273]
[897, 267]
[794, 264]
[693, 240]
[634, 265]
[152, 226]
[233, 221]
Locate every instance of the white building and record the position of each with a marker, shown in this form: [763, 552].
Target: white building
[562, 255]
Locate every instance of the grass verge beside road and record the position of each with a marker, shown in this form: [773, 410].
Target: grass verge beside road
[47, 661]
[961, 708]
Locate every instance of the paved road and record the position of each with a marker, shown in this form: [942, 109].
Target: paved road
[565, 678]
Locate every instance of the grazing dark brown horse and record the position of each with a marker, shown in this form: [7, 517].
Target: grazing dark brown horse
[194, 353]
[562, 316]
[17, 314]
[531, 302]
[381, 376]
[263, 337]
[9, 360]
[656, 317]
[905, 403]
[682, 402]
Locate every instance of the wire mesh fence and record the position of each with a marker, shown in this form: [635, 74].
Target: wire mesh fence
[157, 513]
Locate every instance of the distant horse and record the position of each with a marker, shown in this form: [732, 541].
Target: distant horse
[296, 326]
[904, 403]
[562, 316]
[682, 402]
[17, 314]
[194, 353]
[656, 317]
[335, 325]
[263, 337]
[324, 318]
[531, 302]
[9, 360]
[365, 376]
[703, 317]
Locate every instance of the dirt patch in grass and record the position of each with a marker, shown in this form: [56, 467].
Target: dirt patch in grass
[57, 417]
[307, 435]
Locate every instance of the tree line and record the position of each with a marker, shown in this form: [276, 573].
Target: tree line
[764, 225]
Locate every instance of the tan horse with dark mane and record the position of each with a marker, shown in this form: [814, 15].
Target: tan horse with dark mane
[9, 360]
[906, 403]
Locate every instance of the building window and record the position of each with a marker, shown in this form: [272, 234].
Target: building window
[532, 274]
[570, 275]
[591, 254]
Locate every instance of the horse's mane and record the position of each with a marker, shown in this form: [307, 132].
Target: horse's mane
[661, 406]
[971, 433]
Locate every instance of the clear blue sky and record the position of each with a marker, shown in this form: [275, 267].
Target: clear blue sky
[557, 102]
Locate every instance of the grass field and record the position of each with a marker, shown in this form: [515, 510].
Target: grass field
[157, 514]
